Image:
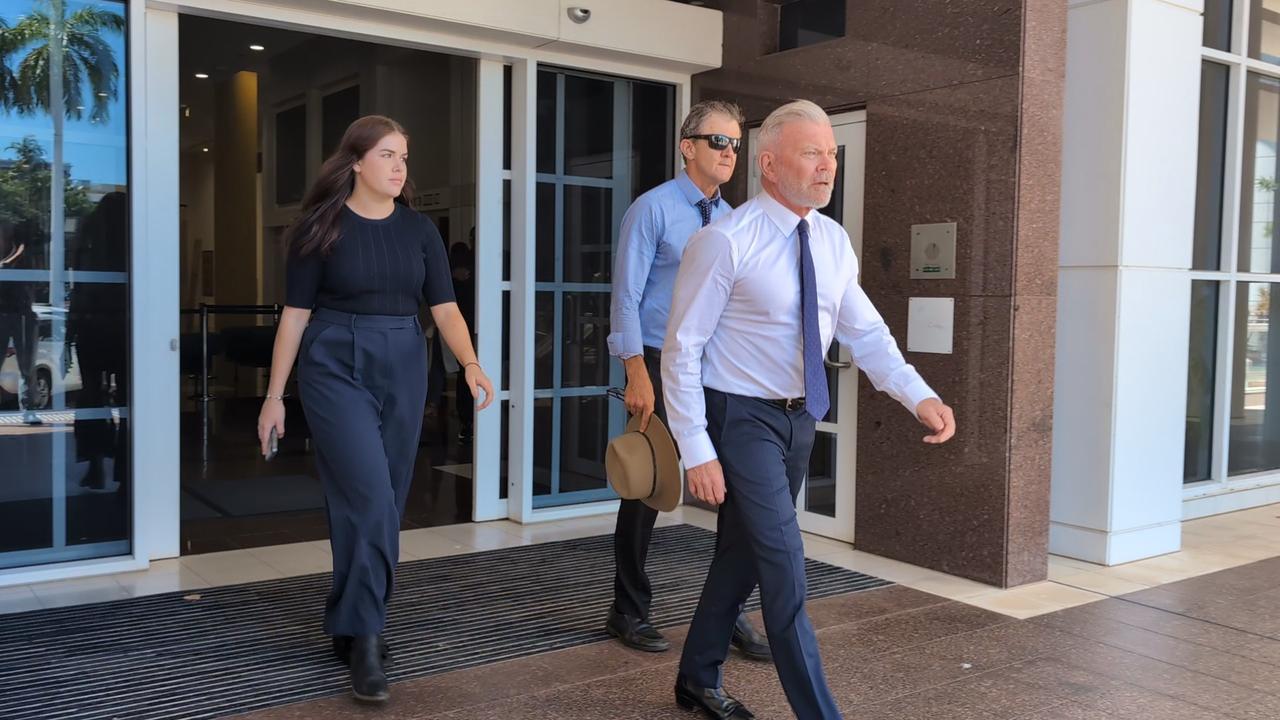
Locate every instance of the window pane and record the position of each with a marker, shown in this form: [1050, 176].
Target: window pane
[64, 338]
[586, 354]
[584, 434]
[1201, 372]
[544, 345]
[545, 232]
[1264, 30]
[542, 442]
[588, 234]
[338, 111]
[546, 124]
[1212, 164]
[805, 22]
[1258, 178]
[588, 127]
[291, 155]
[1217, 24]
[820, 486]
[1255, 419]
[652, 136]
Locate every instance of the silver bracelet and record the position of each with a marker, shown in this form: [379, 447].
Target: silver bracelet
[269, 396]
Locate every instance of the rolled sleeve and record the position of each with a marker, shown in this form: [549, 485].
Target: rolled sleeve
[702, 289]
[637, 247]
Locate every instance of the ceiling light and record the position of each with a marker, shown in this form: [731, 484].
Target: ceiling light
[202, 76]
[258, 48]
[204, 149]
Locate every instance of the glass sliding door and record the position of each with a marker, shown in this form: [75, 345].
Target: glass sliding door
[601, 142]
[64, 284]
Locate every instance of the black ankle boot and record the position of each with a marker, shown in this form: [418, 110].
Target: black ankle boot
[368, 680]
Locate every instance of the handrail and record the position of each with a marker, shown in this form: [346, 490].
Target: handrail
[204, 311]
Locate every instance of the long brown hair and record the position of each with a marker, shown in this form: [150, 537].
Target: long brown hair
[320, 226]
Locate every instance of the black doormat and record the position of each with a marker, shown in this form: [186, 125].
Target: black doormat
[228, 650]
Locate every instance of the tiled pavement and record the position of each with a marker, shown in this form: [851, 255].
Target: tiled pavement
[1206, 648]
[1192, 634]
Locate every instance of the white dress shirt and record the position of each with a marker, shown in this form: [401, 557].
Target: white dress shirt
[735, 318]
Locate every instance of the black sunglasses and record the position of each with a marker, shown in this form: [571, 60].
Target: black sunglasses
[718, 141]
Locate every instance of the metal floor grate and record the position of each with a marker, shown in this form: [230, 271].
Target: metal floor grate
[247, 647]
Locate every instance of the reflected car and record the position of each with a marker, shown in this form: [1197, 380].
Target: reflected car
[50, 378]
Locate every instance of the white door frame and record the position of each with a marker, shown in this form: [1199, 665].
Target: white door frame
[851, 133]
[492, 56]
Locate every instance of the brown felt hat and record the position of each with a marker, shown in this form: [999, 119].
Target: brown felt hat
[644, 465]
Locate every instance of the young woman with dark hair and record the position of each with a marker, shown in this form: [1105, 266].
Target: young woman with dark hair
[360, 264]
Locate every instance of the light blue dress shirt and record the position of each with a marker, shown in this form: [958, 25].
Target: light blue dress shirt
[654, 232]
[735, 318]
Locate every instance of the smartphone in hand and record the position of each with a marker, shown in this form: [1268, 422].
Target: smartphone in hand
[273, 445]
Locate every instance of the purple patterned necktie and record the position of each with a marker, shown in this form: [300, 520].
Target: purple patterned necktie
[704, 207]
[817, 399]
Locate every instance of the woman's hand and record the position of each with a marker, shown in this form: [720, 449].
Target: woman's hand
[271, 416]
[476, 378]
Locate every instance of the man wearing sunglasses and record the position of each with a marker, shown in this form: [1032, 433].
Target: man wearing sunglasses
[652, 239]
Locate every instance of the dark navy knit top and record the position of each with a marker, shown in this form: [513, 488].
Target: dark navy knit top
[377, 267]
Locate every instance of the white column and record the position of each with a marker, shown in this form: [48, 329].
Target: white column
[1128, 205]
[488, 320]
[524, 113]
[156, 382]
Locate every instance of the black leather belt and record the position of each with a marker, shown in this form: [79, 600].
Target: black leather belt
[786, 404]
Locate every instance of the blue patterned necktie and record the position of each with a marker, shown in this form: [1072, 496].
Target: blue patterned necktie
[817, 399]
[704, 207]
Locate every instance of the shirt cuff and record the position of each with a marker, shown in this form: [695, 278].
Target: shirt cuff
[915, 393]
[623, 345]
[696, 450]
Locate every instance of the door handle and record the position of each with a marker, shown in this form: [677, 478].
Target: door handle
[844, 365]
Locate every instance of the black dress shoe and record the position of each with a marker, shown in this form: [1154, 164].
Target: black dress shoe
[635, 633]
[713, 702]
[342, 649]
[368, 680]
[749, 641]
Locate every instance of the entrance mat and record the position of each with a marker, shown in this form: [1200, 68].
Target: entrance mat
[221, 651]
[259, 495]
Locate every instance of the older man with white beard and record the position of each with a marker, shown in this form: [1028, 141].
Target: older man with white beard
[758, 298]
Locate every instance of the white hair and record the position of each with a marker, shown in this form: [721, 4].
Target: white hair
[796, 110]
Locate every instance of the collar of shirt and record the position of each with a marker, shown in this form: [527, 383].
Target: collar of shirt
[691, 191]
[785, 220]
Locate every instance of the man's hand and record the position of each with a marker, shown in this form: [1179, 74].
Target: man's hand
[706, 482]
[939, 418]
[639, 398]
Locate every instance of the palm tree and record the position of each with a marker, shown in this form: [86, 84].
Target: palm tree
[69, 50]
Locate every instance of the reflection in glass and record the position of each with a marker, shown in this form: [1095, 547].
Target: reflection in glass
[64, 357]
[1264, 30]
[588, 127]
[546, 122]
[820, 486]
[545, 232]
[1217, 24]
[1258, 208]
[543, 433]
[1255, 420]
[1212, 164]
[1201, 374]
[588, 234]
[586, 353]
[544, 341]
[584, 434]
[806, 22]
